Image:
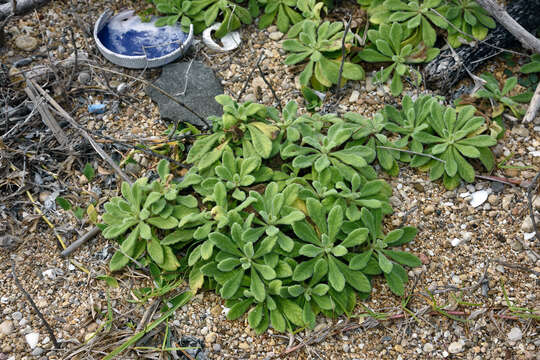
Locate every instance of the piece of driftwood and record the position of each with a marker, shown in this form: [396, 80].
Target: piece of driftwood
[534, 106]
[527, 40]
[32, 85]
[79, 242]
[47, 118]
[447, 69]
[22, 6]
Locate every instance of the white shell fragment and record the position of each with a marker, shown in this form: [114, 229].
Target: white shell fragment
[230, 41]
[479, 197]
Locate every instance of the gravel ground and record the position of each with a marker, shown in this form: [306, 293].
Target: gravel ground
[468, 252]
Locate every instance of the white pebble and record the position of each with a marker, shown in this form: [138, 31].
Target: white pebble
[455, 347]
[515, 334]
[479, 197]
[32, 339]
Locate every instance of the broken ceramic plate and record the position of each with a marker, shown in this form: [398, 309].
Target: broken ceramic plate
[230, 41]
[127, 41]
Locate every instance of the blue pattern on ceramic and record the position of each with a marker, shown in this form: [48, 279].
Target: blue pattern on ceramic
[126, 34]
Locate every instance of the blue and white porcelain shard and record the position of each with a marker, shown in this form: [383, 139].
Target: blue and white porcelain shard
[127, 41]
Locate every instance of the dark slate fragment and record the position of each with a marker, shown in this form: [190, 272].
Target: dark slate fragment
[202, 87]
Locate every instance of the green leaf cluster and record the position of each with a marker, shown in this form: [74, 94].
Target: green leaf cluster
[388, 46]
[466, 17]
[499, 97]
[290, 227]
[202, 14]
[453, 137]
[320, 44]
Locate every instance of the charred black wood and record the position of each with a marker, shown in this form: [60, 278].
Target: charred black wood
[446, 70]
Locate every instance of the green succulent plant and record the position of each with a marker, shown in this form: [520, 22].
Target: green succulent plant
[320, 152]
[311, 11]
[241, 123]
[321, 242]
[321, 45]
[141, 212]
[174, 11]
[202, 14]
[388, 46]
[416, 15]
[413, 118]
[282, 12]
[533, 66]
[498, 97]
[283, 239]
[456, 138]
[469, 17]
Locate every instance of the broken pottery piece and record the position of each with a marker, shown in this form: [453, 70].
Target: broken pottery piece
[230, 41]
[127, 41]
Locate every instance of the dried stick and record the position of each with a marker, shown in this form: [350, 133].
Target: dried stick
[534, 106]
[347, 26]
[20, 6]
[530, 188]
[29, 298]
[83, 132]
[77, 244]
[270, 87]
[261, 58]
[47, 117]
[526, 39]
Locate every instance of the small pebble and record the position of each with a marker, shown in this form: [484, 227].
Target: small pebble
[430, 209]
[276, 35]
[428, 347]
[515, 334]
[354, 96]
[83, 78]
[17, 316]
[216, 347]
[32, 339]
[6, 327]
[26, 42]
[455, 347]
[22, 62]
[37, 351]
[479, 197]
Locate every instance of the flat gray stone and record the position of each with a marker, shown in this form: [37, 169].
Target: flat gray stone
[202, 87]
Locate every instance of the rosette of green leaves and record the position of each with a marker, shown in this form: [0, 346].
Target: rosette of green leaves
[324, 240]
[174, 11]
[376, 257]
[368, 131]
[281, 11]
[411, 119]
[456, 138]
[241, 254]
[319, 152]
[275, 210]
[469, 17]
[241, 124]
[498, 97]
[284, 314]
[314, 294]
[237, 173]
[388, 46]
[142, 211]
[311, 11]
[321, 45]
[204, 13]
[415, 15]
[373, 194]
